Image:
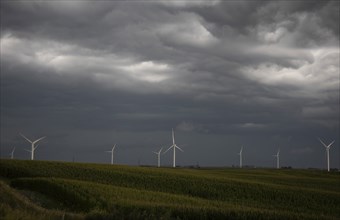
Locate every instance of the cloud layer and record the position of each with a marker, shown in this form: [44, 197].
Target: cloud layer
[223, 73]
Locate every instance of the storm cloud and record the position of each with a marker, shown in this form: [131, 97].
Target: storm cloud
[263, 74]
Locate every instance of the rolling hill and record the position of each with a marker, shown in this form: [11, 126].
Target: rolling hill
[62, 190]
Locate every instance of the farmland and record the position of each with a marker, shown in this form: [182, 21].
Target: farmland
[55, 190]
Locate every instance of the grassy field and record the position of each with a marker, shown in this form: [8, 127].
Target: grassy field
[60, 190]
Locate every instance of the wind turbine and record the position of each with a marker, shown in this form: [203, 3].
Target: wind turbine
[327, 151]
[12, 153]
[241, 156]
[33, 147]
[111, 151]
[158, 156]
[277, 159]
[174, 146]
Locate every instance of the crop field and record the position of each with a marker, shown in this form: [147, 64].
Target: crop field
[61, 190]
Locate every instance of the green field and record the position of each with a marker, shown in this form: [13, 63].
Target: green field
[60, 190]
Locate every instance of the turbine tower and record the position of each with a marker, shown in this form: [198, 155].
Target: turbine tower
[327, 151]
[277, 159]
[33, 147]
[241, 156]
[158, 156]
[111, 151]
[174, 146]
[12, 153]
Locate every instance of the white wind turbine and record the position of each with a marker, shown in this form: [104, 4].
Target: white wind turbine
[111, 151]
[174, 146]
[33, 147]
[12, 153]
[241, 156]
[277, 159]
[327, 151]
[158, 156]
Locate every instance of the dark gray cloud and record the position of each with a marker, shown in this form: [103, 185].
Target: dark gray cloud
[264, 74]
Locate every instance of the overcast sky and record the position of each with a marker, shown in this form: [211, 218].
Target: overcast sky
[262, 74]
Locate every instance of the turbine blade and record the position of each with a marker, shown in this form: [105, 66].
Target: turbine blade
[28, 150]
[322, 142]
[38, 140]
[179, 148]
[168, 149]
[331, 144]
[173, 137]
[36, 146]
[160, 150]
[114, 146]
[26, 138]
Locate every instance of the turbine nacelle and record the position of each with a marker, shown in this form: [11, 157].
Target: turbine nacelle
[113, 148]
[12, 153]
[33, 147]
[158, 156]
[174, 146]
[32, 142]
[325, 145]
[241, 156]
[277, 159]
[327, 151]
[111, 151]
[240, 151]
[159, 152]
[277, 154]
